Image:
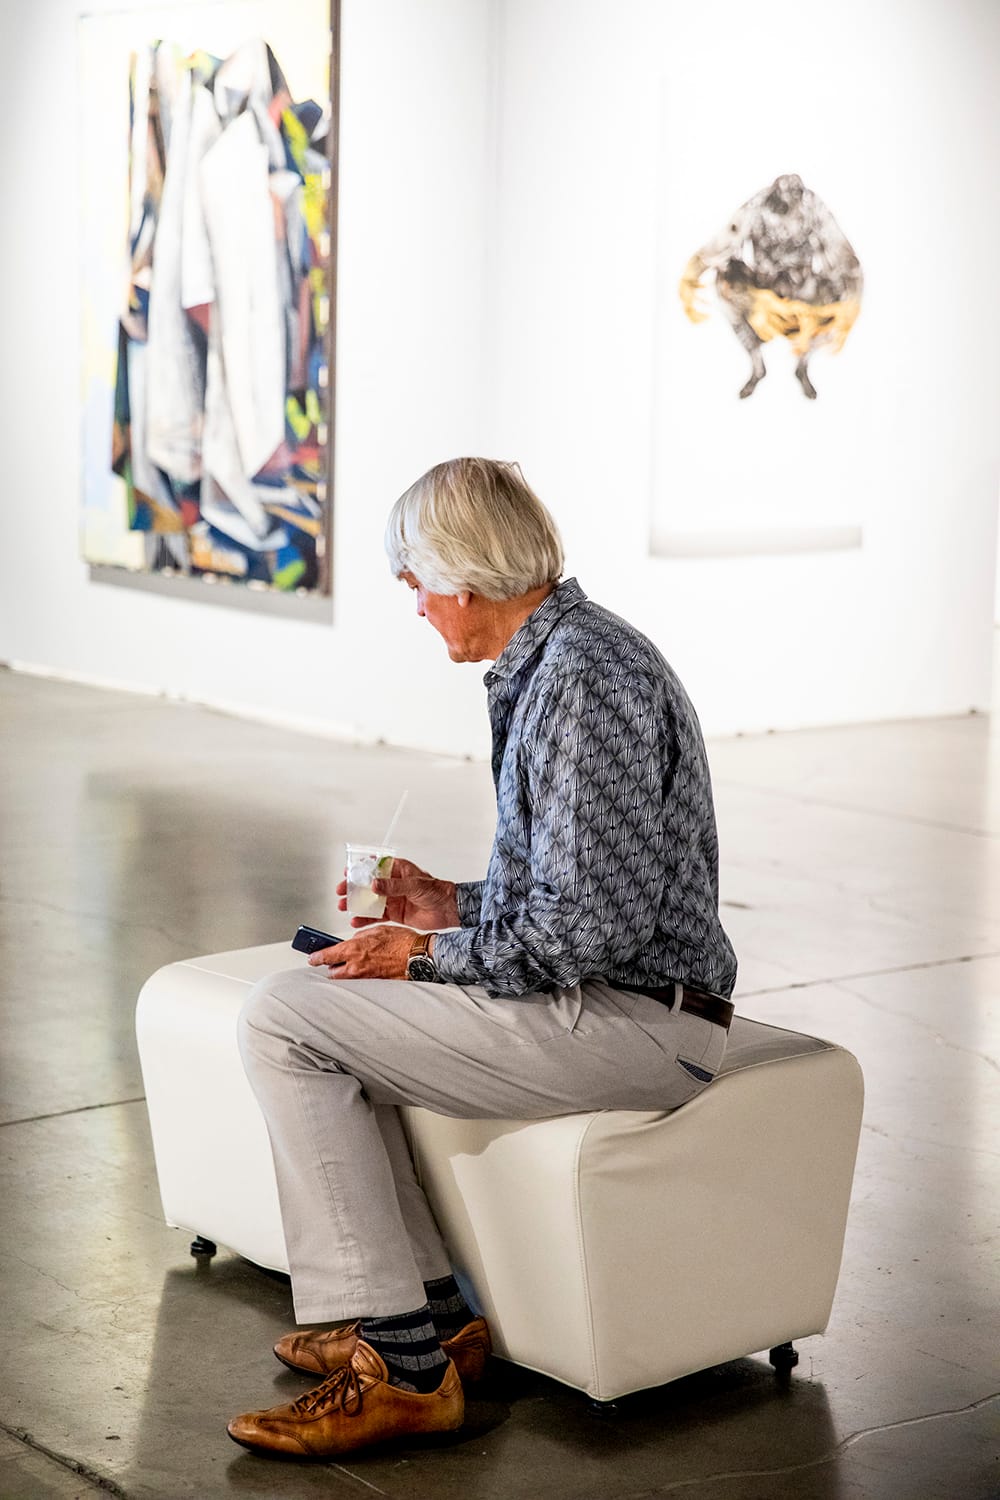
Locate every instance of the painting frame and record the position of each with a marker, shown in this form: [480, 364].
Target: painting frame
[309, 593]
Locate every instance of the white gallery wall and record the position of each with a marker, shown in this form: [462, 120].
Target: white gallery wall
[629, 132]
[518, 179]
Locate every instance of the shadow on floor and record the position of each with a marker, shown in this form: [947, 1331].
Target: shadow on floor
[525, 1436]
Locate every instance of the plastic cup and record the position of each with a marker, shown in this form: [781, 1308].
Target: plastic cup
[365, 862]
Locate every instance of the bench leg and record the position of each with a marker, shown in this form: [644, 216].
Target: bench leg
[202, 1247]
[784, 1357]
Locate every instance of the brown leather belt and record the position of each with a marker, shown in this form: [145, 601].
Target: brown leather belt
[695, 1002]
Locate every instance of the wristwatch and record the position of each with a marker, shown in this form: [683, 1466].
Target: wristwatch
[420, 965]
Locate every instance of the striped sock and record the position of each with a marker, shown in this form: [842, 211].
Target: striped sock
[449, 1308]
[410, 1347]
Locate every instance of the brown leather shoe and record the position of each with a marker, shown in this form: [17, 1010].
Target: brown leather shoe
[320, 1352]
[468, 1349]
[353, 1408]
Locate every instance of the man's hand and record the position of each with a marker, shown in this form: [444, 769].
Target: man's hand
[380, 953]
[412, 897]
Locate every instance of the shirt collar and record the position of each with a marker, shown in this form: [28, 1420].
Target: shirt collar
[530, 637]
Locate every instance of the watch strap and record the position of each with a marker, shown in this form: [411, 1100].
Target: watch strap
[419, 964]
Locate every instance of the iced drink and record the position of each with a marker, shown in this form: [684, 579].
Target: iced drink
[365, 862]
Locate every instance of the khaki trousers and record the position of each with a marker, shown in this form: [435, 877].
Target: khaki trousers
[330, 1060]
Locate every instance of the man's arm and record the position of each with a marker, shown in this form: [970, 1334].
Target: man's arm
[600, 773]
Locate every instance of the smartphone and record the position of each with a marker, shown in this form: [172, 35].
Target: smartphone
[311, 940]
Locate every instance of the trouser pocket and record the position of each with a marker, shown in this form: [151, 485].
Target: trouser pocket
[696, 1070]
[701, 1053]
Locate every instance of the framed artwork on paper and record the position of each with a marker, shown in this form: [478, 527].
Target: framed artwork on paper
[765, 385]
[208, 188]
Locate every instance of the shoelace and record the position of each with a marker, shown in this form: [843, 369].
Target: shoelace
[342, 1388]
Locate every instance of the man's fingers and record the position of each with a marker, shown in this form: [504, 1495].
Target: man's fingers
[327, 956]
[393, 885]
[397, 887]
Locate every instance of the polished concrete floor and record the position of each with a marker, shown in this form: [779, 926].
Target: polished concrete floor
[861, 885]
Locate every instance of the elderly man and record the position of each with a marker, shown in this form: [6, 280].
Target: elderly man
[587, 970]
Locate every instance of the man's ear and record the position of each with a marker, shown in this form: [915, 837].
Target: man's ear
[464, 599]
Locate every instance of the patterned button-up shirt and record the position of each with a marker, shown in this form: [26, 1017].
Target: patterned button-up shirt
[605, 859]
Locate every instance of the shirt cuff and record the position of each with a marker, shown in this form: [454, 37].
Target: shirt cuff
[451, 955]
[469, 900]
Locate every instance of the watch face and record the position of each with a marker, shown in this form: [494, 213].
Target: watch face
[422, 969]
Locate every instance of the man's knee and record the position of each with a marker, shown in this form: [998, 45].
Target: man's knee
[260, 1020]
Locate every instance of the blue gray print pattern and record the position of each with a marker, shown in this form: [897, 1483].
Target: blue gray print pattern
[605, 859]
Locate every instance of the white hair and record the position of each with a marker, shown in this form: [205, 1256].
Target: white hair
[474, 524]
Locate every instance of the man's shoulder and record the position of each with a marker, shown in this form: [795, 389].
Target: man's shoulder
[592, 636]
[596, 651]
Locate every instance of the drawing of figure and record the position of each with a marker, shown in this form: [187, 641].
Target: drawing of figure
[783, 268]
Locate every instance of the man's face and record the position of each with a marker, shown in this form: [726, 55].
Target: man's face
[458, 620]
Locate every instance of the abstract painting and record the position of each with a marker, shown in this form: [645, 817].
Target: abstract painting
[783, 268]
[207, 453]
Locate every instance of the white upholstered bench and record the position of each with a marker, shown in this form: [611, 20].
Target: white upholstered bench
[613, 1250]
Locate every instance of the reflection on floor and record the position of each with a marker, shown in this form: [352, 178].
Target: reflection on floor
[861, 885]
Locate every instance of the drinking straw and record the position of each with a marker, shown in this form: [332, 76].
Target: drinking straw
[395, 819]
